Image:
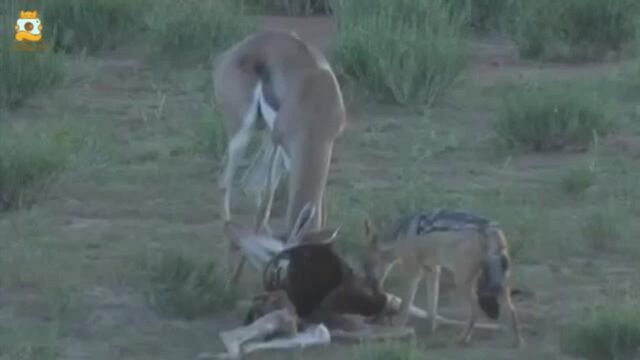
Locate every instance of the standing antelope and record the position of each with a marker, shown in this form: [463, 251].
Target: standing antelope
[472, 247]
[277, 79]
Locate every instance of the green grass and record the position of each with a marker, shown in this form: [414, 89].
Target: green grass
[74, 25]
[407, 51]
[483, 15]
[573, 30]
[600, 231]
[578, 180]
[290, 7]
[610, 331]
[187, 288]
[551, 117]
[30, 160]
[195, 28]
[26, 70]
[389, 350]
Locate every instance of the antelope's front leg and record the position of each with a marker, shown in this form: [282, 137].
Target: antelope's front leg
[409, 297]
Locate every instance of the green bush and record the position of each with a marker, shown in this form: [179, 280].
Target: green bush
[187, 288]
[196, 27]
[291, 7]
[407, 51]
[551, 117]
[97, 24]
[483, 15]
[573, 30]
[29, 160]
[610, 331]
[24, 72]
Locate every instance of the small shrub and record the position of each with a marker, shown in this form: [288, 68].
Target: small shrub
[551, 118]
[29, 160]
[407, 51]
[387, 351]
[24, 73]
[578, 180]
[187, 288]
[573, 29]
[97, 24]
[291, 7]
[601, 232]
[610, 331]
[196, 27]
[483, 15]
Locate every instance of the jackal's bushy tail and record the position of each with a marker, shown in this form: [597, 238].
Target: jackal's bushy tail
[490, 305]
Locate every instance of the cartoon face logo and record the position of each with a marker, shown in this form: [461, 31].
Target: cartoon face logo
[28, 27]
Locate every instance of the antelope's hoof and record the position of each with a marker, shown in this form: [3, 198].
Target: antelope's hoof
[464, 341]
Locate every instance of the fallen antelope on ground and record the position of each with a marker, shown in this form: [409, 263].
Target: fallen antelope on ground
[474, 248]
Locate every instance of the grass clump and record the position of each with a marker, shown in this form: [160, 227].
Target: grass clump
[74, 25]
[483, 15]
[291, 7]
[551, 118]
[388, 350]
[407, 51]
[196, 27]
[573, 30]
[29, 160]
[187, 288]
[600, 231]
[578, 180]
[610, 331]
[26, 69]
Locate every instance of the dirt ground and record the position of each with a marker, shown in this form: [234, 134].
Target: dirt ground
[72, 279]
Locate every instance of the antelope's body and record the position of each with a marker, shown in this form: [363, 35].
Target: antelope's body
[474, 249]
[275, 79]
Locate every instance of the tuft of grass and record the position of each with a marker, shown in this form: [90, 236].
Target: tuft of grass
[578, 180]
[291, 7]
[573, 30]
[25, 70]
[30, 160]
[610, 331]
[483, 15]
[187, 288]
[209, 135]
[551, 118]
[196, 28]
[387, 350]
[75, 25]
[600, 231]
[406, 51]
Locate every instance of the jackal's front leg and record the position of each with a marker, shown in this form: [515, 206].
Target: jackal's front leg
[518, 340]
[467, 292]
[409, 297]
[432, 280]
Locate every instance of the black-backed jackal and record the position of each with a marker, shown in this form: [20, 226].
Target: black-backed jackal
[474, 248]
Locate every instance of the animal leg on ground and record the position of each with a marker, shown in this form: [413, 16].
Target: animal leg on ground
[514, 322]
[467, 292]
[432, 280]
[410, 296]
[277, 321]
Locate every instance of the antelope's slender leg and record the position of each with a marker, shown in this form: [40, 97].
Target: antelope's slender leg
[433, 292]
[410, 297]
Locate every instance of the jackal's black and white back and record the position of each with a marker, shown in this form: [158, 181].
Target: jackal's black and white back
[440, 220]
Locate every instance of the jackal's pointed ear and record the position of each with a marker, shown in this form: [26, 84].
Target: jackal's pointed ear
[323, 236]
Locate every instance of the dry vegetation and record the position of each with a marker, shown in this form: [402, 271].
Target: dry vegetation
[110, 149]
